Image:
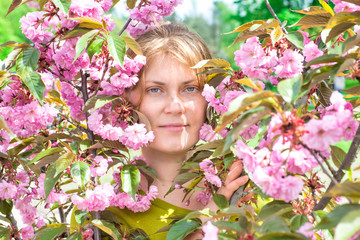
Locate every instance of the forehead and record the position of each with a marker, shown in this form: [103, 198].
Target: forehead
[167, 68]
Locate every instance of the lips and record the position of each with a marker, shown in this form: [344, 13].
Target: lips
[174, 127]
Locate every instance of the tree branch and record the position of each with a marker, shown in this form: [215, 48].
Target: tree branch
[274, 15]
[125, 26]
[346, 164]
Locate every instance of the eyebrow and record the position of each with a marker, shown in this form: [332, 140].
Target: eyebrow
[163, 83]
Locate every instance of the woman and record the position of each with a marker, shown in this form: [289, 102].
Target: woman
[169, 95]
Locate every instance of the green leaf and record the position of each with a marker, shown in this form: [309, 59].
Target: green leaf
[49, 233]
[220, 201]
[282, 236]
[116, 47]
[35, 85]
[290, 88]
[80, 216]
[274, 224]
[43, 154]
[6, 206]
[131, 3]
[75, 236]
[76, 32]
[337, 155]
[42, 3]
[133, 45]
[80, 172]
[63, 5]
[346, 189]
[333, 218]
[107, 227]
[273, 208]
[28, 60]
[102, 101]
[50, 179]
[181, 229]
[229, 226]
[297, 221]
[181, 179]
[64, 162]
[14, 4]
[85, 144]
[348, 225]
[327, 58]
[5, 233]
[130, 178]
[94, 47]
[296, 38]
[83, 42]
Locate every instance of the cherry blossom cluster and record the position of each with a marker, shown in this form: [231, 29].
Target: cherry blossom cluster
[103, 196]
[149, 14]
[293, 147]
[342, 6]
[22, 113]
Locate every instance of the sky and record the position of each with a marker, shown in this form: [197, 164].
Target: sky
[188, 7]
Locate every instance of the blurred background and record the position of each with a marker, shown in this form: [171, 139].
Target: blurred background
[210, 18]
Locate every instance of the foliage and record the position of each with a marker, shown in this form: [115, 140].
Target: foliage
[64, 123]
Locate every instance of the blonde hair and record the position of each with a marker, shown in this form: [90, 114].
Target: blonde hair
[173, 40]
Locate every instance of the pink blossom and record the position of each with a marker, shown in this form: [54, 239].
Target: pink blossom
[341, 6]
[291, 187]
[136, 136]
[311, 51]
[300, 161]
[106, 5]
[95, 200]
[322, 133]
[231, 95]
[250, 54]
[4, 140]
[23, 177]
[87, 234]
[245, 153]
[27, 232]
[305, 230]
[213, 179]
[34, 27]
[99, 166]
[40, 223]
[7, 190]
[207, 134]
[211, 232]
[204, 197]
[250, 132]
[207, 166]
[290, 64]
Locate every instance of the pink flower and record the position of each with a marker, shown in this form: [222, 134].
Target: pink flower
[300, 161]
[250, 132]
[87, 234]
[4, 140]
[136, 136]
[291, 187]
[311, 51]
[7, 190]
[99, 166]
[204, 197]
[322, 133]
[27, 232]
[250, 54]
[207, 134]
[211, 232]
[213, 179]
[290, 64]
[305, 230]
[207, 166]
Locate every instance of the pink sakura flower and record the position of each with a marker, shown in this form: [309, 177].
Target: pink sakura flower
[4, 140]
[245, 153]
[209, 93]
[322, 133]
[204, 197]
[40, 223]
[95, 200]
[141, 204]
[341, 6]
[311, 51]
[106, 5]
[305, 230]
[211, 232]
[290, 188]
[86, 8]
[300, 161]
[27, 232]
[136, 136]
[207, 134]
[250, 132]
[213, 179]
[7, 190]
[306, 37]
[250, 54]
[231, 95]
[99, 166]
[35, 28]
[255, 72]
[88, 234]
[23, 177]
[207, 166]
[290, 64]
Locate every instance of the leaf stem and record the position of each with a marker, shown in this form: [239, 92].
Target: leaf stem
[274, 15]
[349, 159]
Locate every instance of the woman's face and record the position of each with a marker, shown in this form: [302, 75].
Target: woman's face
[173, 103]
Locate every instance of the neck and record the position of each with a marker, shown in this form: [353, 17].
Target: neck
[165, 165]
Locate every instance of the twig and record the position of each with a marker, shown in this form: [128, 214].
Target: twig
[274, 15]
[72, 122]
[349, 159]
[321, 165]
[125, 26]
[333, 172]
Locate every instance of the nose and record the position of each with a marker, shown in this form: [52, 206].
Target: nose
[175, 105]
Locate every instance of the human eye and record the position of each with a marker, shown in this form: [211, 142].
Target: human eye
[154, 90]
[191, 89]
